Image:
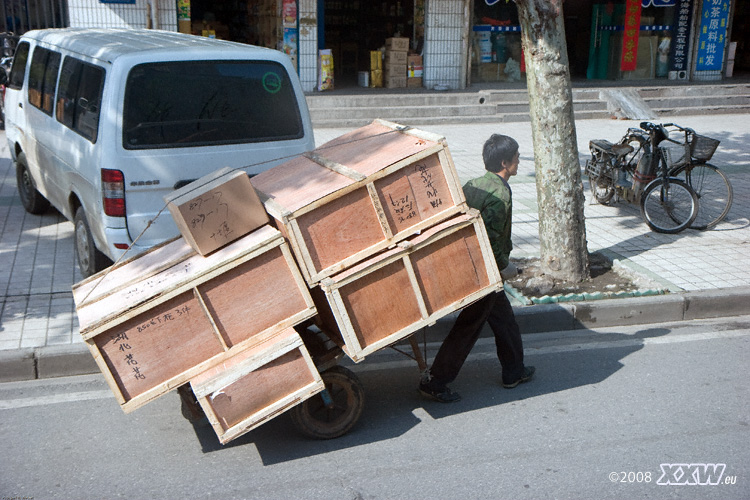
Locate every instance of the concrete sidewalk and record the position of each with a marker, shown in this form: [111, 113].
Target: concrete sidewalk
[707, 272]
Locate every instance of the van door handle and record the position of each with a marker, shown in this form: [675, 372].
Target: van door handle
[20, 105]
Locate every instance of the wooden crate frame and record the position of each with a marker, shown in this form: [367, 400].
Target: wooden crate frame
[117, 300]
[289, 208]
[339, 321]
[243, 374]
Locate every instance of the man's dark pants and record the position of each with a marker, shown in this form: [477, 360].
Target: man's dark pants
[496, 310]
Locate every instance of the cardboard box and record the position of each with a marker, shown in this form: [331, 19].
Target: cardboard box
[155, 321]
[395, 58]
[216, 209]
[400, 44]
[393, 294]
[414, 68]
[395, 82]
[257, 384]
[414, 82]
[395, 71]
[359, 194]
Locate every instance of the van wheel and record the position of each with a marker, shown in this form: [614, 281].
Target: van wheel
[90, 260]
[31, 199]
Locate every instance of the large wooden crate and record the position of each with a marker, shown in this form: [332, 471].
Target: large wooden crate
[157, 320]
[393, 294]
[256, 385]
[360, 194]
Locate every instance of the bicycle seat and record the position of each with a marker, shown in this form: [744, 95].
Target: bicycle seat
[613, 149]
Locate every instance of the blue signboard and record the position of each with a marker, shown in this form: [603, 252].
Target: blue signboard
[712, 35]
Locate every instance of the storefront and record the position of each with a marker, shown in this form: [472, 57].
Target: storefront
[614, 40]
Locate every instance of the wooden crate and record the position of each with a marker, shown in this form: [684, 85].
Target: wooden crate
[360, 194]
[256, 385]
[216, 209]
[393, 294]
[157, 320]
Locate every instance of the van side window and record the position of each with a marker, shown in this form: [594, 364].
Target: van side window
[42, 78]
[79, 97]
[18, 70]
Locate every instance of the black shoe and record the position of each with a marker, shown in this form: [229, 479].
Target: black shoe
[442, 394]
[528, 373]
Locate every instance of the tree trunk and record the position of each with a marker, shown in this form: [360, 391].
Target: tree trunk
[562, 230]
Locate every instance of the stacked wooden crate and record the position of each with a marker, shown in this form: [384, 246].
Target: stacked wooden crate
[189, 310]
[353, 210]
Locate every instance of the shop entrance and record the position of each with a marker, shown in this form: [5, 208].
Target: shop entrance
[352, 29]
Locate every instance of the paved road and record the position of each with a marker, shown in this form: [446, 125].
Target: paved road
[610, 415]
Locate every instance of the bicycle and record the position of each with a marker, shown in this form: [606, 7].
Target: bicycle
[712, 186]
[638, 170]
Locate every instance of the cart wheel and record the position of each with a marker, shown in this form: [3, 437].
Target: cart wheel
[315, 419]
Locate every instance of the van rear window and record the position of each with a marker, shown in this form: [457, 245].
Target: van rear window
[199, 103]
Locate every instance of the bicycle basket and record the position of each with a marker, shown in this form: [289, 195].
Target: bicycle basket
[702, 147]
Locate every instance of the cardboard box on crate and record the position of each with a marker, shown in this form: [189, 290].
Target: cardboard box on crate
[162, 317]
[216, 209]
[257, 384]
[359, 194]
[393, 294]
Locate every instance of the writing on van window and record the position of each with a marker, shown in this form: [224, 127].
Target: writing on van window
[209, 212]
[271, 82]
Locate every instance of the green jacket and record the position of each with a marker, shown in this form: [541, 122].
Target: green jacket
[491, 195]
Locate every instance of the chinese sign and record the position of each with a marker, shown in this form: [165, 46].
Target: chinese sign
[712, 35]
[630, 37]
[678, 56]
[659, 3]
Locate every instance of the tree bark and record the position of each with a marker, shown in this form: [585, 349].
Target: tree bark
[562, 229]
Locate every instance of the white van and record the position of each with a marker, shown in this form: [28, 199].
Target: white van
[103, 123]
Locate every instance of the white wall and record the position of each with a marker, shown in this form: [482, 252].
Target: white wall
[92, 14]
[446, 43]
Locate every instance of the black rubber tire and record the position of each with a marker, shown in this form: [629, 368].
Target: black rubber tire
[603, 190]
[668, 209]
[90, 259]
[714, 192]
[31, 199]
[313, 419]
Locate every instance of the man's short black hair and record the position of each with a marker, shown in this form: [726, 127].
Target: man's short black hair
[497, 149]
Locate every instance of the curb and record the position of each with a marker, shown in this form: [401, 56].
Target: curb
[75, 359]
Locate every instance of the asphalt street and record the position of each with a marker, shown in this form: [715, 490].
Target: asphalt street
[650, 411]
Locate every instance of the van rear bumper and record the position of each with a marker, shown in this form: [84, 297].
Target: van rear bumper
[119, 236]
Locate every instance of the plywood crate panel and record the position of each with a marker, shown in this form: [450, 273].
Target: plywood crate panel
[151, 326]
[391, 295]
[360, 194]
[257, 384]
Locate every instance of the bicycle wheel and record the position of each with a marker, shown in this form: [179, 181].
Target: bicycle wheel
[713, 189]
[668, 205]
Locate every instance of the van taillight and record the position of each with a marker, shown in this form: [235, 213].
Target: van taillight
[113, 192]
